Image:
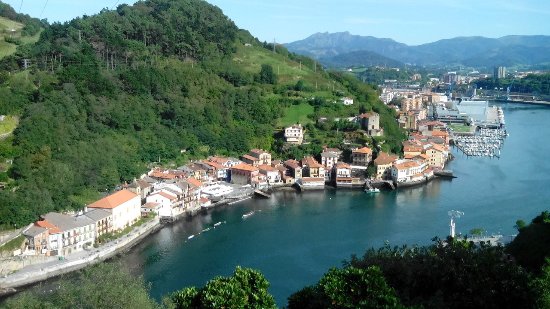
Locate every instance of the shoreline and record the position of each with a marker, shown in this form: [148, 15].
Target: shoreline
[36, 273]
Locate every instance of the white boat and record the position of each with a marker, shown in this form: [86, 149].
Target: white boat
[248, 214]
[190, 236]
[217, 224]
[373, 190]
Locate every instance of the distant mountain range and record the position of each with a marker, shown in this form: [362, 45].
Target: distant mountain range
[343, 49]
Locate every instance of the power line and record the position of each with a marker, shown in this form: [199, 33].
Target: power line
[115, 4]
[43, 8]
[20, 6]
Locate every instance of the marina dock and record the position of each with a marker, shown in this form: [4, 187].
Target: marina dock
[486, 143]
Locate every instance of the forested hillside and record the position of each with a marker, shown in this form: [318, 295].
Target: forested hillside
[161, 81]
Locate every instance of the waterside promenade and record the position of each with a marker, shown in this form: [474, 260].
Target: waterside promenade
[43, 271]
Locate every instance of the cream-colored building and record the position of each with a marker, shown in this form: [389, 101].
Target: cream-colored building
[361, 156]
[294, 134]
[124, 205]
[383, 164]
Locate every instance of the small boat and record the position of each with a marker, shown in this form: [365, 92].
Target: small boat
[190, 236]
[373, 190]
[248, 214]
[217, 224]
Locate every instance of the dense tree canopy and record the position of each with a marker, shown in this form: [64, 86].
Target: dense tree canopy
[247, 288]
[531, 246]
[106, 285]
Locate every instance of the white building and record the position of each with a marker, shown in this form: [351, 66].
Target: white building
[167, 201]
[294, 134]
[347, 101]
[272, 175]
[124, 205]
[408, 170]
[77, 233]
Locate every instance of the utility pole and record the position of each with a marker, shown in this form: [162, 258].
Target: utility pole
[273, 45]
[79, 36]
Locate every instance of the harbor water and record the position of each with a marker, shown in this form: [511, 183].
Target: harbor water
[293, 238]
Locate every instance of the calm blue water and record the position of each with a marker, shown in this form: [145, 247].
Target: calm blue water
[298, 237]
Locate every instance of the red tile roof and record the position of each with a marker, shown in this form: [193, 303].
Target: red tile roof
[311, 162]
[364, 150]
[292, 164]
[194, 182]
[245, 167]
[114, 200]
[267, 168]
[385, 158]
[52, 229]
[250, 158]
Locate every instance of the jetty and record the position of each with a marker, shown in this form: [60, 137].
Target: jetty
[380, 183]
[262, 194]
[444, 173]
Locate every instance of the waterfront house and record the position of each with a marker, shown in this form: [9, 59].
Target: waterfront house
[361, 156]
[103, 221]
[310, 183]
[342, 170]
[125, 206]
[294, 168]
[77, 232]
[262, 155]
[204, 202]
[409, 171]
[43, 238]
[150, 208]
[294, 134]
[342, 176]
[437, 156]
[272, 174]
[370, 122]
[312, 168]
[244, 174]
[167, 201]
[191, 192]
[383, 164]
[330, 156]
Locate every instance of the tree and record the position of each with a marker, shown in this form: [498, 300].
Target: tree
[541, 284]
[267, 76]
[452, 274]
[349, 287]
[106, 285]
[247, 288]
[532, 245]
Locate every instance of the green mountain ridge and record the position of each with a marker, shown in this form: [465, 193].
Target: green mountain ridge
[476, 51]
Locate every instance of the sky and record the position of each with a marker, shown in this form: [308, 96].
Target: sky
[412, 22]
